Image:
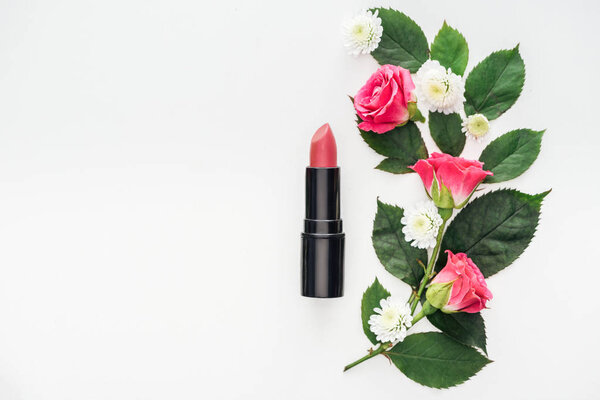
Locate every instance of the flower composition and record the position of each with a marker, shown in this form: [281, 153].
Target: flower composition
[459, 286]
[391, 320]
[443, 248]
[383, 102]
[362, 33]
[438, 89]
[450, 181]
[421, 224]
[476, 126]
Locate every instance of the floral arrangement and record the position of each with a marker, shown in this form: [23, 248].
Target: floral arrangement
[444, 248]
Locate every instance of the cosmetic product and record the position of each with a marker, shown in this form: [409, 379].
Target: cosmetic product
[323, 237]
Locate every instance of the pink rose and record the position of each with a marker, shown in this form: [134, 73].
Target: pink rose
[468, 291]
[450, 181]
[382, 104]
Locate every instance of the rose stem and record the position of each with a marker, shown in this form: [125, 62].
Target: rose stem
[445, 214]
[382, 347]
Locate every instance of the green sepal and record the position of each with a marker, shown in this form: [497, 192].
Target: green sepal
[428, 308]
[464, 203]
[441, 197]
[414, 113]
[438, 294]
[445, 213]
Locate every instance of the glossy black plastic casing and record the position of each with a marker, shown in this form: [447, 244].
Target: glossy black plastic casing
[323, 237]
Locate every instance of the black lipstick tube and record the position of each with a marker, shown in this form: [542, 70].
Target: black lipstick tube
[323, 237]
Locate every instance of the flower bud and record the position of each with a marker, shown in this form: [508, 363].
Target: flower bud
[459, 286]
[450, 181]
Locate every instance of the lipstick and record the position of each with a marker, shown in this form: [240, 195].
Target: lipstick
[323, 237]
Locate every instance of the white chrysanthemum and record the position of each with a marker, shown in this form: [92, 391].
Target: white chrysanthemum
[362, 33]
[421, 224]
[439, 89]
[391, 321]
[476, 126]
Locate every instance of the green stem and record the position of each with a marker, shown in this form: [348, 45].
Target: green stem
[418, 317]
[383, 347]
[445, 217]
[414, 297]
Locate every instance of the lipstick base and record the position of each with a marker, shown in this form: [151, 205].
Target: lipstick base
[323, 265]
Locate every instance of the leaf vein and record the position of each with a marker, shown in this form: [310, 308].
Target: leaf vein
[494, 85]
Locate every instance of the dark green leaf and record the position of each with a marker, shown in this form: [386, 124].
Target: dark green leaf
[495, 84]
[494, 229]
[511, 154]
[394, 165]
[370, 300]
[467, 328]
[403, 42]
[403, 145]
[397, 255]
[450, 49]
[446, 131]
[436, 360]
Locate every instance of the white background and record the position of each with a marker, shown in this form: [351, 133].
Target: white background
[152, 159]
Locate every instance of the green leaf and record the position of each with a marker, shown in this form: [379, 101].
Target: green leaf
[436, 360]
[495, 84]
[397, 255]
[446, 131]
[467, 328]
[370, 300]
[394, 165]
[450, 49]
[511, 154]
[403, 42]
[494, 229]
[403, 145]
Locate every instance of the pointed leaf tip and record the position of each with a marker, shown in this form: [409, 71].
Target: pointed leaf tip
[544, 194]
[394, 47]
[396, 254]
[371, 298]
[494, 229]
[435, 360]
[495, 84]
[511, 154]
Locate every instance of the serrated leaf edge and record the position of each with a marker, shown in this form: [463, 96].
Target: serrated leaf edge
[542, 132]
[539, 197]
[445, 25]
[460, 382]
[516, 48]
[413, 21]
